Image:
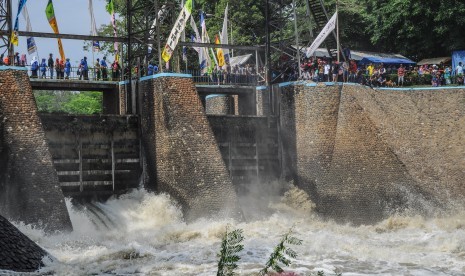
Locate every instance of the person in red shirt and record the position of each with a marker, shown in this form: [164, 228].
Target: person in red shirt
[400, 75]
[352, 70]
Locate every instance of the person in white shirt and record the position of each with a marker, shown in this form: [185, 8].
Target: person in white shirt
[327, 68]
[459, 69]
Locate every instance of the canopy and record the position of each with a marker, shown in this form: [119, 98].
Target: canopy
[239, 60]
[367, 60]
[437, 60]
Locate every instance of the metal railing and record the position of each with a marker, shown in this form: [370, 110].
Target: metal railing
[223, 78]
[93, 74]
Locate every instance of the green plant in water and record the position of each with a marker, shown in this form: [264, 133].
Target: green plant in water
[230, 247]
[281, 254]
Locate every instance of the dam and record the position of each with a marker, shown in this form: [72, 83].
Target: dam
[360, 154]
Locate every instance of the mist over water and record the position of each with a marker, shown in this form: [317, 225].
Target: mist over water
[144, 234]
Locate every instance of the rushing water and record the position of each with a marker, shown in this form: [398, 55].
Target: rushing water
[144, 234]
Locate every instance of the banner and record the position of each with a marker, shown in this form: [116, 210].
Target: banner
[329, 27]
[206, 61]
[219, 52]
[14, 35]
[93, 28]
[224, 35]
[50, 12]
[110, 7]
[31, 44]
[161, 14]
[177, 30]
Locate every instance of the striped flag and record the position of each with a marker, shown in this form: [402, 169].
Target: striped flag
[177, 30]
[14, 35]
[50, 12]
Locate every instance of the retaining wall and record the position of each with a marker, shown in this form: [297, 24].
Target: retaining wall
[183, 157]
[29, 187]
[363, 153]
[17, 251]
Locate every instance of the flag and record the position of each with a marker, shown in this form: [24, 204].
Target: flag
[50, 12]
[219, 52]
[205, 58]
[184, 53]
[31, 44]
[224, 35]
[110, 7]
[329, 27]
[160, 16]
[177, 30]
[93, 28]
[14, 34]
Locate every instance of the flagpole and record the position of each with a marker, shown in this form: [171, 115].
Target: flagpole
[297, 39]
[337, 29]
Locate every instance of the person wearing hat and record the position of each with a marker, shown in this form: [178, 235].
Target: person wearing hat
[50, 65]
[67, 68]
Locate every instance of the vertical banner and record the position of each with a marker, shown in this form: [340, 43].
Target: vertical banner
[31, 44]
[224, 35]
[176, 31]
[14, 35]
[50, 12]
[219, 52]
[206, 59]
[93, 28]
[329, 27]
[111, 10]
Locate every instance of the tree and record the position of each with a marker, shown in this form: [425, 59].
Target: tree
[416, 28]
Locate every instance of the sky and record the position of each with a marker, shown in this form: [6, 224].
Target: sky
[73, 18]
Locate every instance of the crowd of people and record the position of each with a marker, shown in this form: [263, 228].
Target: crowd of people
[378, 75]
[314, 69]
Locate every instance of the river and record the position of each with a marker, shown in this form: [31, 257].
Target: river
[144, 234]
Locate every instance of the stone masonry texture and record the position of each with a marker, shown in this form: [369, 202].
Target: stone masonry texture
[363, 153]
[182, 155]
[29, 187]
[219, 105]
[17, 251]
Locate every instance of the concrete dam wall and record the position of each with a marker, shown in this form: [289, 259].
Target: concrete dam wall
[29, 187]
[183, 158]
[361, 153]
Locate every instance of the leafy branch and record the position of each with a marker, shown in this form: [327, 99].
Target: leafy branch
[230, 247]
[281, 254]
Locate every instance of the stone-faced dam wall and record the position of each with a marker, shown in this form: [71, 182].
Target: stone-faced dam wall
[17, 251]
[183, 158]
[362, 153]
[29, 187]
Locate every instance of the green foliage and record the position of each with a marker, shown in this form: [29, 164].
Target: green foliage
[281, 254]
[69, 102]
[230, 247]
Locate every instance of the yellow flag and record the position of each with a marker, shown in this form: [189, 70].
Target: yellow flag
[14, 38]
[219, 52]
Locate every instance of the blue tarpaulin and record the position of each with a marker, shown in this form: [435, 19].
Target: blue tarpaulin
[367, 60]
[457, 56]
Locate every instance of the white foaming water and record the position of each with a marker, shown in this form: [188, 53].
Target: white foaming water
[146, 235]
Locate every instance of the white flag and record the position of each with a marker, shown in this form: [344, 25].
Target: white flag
[161, 14]
[31, 44]
[206, 61]
[329, 27]
[93, 28]
[175, 34]
[224, 35]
